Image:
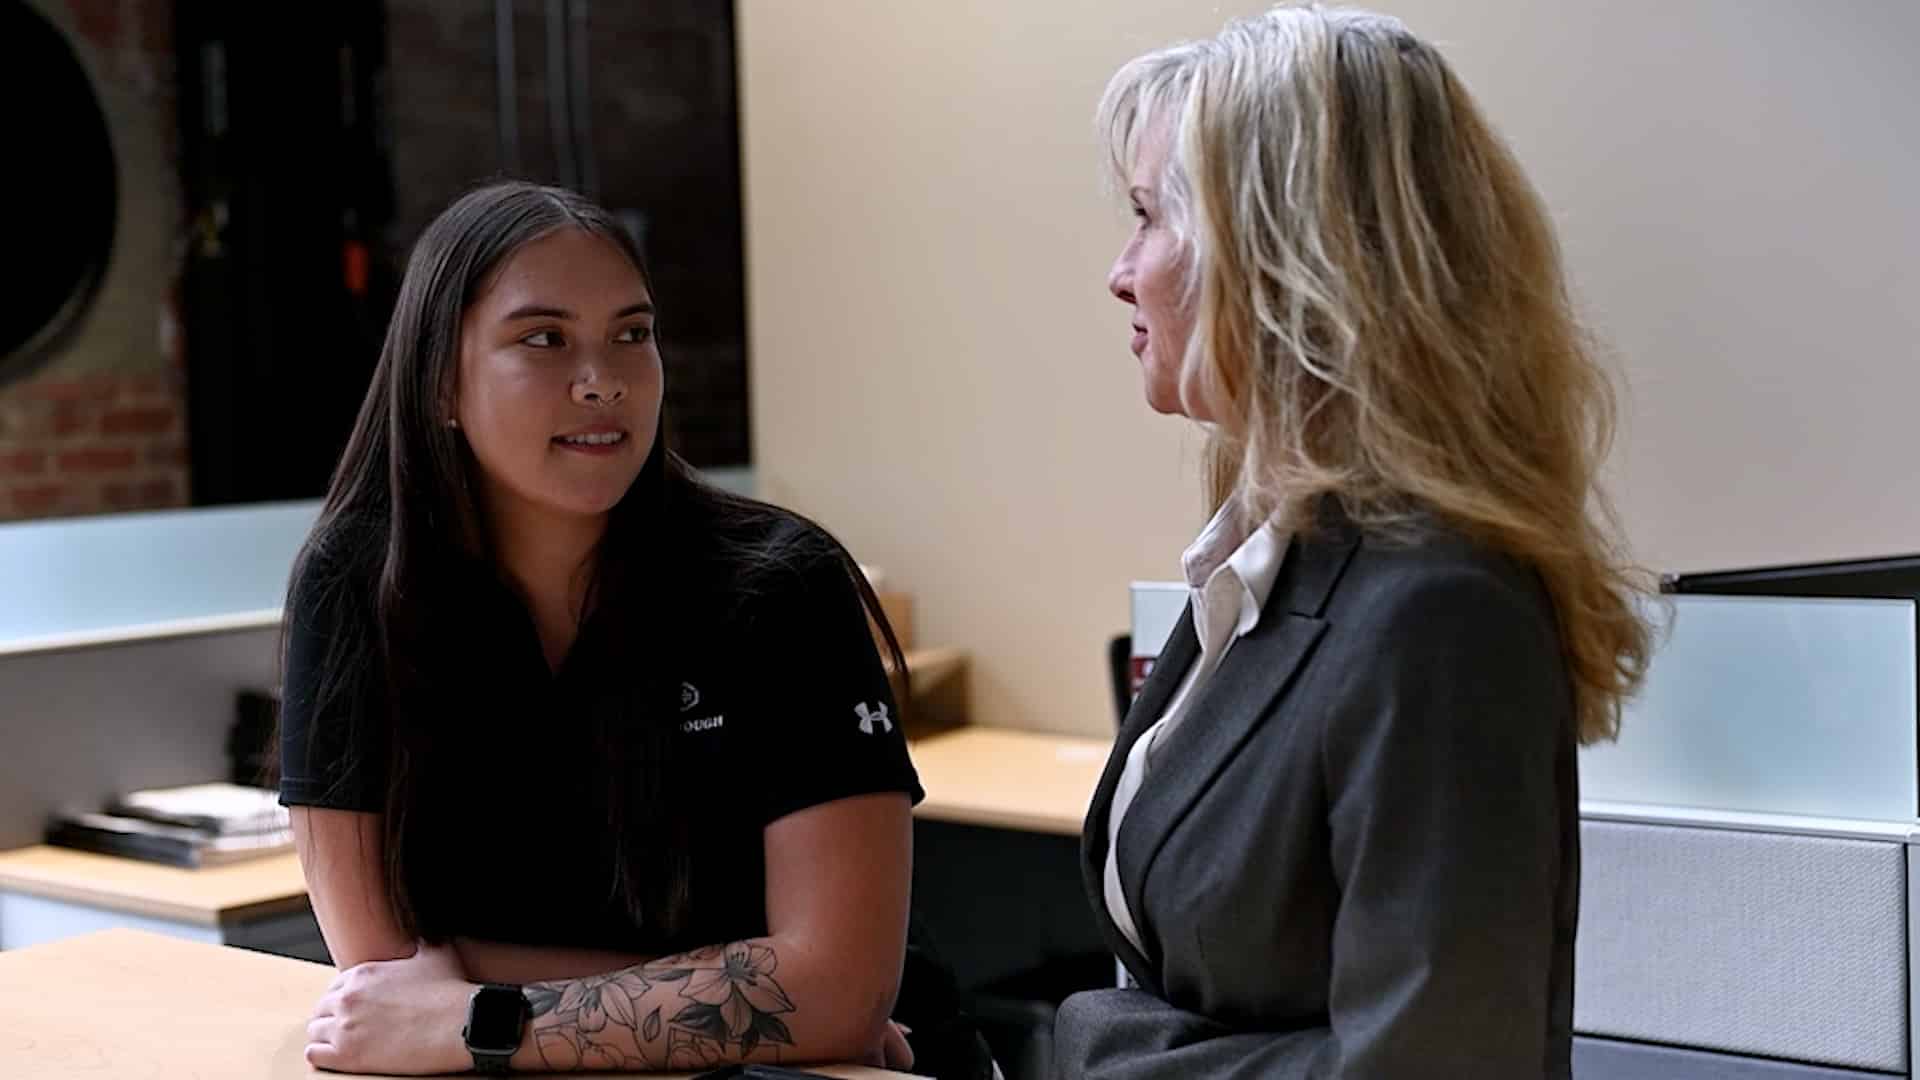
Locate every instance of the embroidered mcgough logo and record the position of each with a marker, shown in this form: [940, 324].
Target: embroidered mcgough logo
[869, 719]
[704, 723]
[689, 696]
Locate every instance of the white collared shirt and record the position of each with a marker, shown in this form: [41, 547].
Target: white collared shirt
[1230, 572]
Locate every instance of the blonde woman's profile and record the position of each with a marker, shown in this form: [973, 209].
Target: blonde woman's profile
[1338, 834]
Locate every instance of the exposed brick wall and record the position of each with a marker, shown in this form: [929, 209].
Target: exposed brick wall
[103, 427]
[92, 444]
[76, 439]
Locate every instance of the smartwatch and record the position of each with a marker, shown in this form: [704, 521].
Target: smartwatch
[497, 1017]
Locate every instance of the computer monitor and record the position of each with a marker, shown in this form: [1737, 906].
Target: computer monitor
[1893, 577]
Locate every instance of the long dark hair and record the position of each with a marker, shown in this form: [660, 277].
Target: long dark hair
[401, 509]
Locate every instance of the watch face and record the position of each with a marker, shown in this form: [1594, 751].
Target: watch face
[494, 1019]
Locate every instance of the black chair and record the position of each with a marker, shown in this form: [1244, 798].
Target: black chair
[1120, 669]
[948, 1040]
[1016, 1011]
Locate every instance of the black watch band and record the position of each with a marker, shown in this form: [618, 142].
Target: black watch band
[497, 1016]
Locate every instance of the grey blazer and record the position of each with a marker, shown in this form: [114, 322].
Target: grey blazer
[1358, 856]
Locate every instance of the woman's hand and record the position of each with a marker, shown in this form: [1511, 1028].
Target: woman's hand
[394, 1016]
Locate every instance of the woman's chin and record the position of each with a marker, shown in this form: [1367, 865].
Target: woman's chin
[582, 504]
[1164, 401]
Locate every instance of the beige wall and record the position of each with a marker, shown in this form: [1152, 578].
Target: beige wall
[939, 375]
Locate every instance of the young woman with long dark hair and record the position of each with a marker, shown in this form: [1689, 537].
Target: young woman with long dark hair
[593, 765]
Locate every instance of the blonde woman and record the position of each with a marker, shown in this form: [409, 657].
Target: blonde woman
[1338, 837]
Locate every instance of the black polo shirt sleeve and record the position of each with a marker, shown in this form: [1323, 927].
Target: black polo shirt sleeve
[332, 737]
[826, 724]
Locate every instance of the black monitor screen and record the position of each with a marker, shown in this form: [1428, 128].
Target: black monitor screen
[1895, 577]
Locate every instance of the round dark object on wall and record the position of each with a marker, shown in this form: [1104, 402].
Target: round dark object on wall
[65, 188]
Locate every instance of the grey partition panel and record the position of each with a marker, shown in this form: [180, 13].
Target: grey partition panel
[1604, 1059]
[1775, 945]
[82, 725]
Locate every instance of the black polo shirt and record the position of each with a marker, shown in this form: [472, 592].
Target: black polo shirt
[783, 704]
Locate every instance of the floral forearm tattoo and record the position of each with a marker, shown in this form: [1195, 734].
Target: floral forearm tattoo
[691, 1011]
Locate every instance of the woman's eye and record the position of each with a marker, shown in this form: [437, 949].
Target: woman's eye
[636, 335]
[541, 339]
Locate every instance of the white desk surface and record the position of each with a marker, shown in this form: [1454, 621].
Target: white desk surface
[122, 1003]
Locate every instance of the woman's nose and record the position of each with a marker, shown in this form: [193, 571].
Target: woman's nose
[1120, 279]
[596, 389]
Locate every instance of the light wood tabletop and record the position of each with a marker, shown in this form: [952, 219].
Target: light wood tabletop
[122, 1003]
[214, 896]
[1024, 780]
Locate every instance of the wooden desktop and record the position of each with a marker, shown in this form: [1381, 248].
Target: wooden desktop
[123, 1003]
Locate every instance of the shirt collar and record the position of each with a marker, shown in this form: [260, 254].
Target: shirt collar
[1230, 570]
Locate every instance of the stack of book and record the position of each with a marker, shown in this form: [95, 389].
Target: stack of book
[197, 826]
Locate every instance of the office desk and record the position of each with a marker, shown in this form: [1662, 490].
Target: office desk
[1018, 780]
[125, 1003]
[49, 893]
[993, 779]
[996, 877]
[996, 882]
[1022, 780]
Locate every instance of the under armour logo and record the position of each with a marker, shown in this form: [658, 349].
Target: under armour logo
[869, 718]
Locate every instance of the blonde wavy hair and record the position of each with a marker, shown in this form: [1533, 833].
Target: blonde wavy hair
[1381, 311]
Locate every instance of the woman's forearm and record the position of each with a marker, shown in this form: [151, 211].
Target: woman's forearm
[505, 962]
[758, 1000]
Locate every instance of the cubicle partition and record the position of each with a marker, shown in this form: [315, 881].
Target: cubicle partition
[1748, 897]
[122, 575]
[85, 721]
[125, 641]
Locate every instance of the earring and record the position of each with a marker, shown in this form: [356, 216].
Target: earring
[453, 422]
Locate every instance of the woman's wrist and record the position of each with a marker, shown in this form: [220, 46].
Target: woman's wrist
[449, 1051]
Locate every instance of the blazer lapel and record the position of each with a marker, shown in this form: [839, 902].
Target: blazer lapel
[1169, 669]
[1228, 708]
